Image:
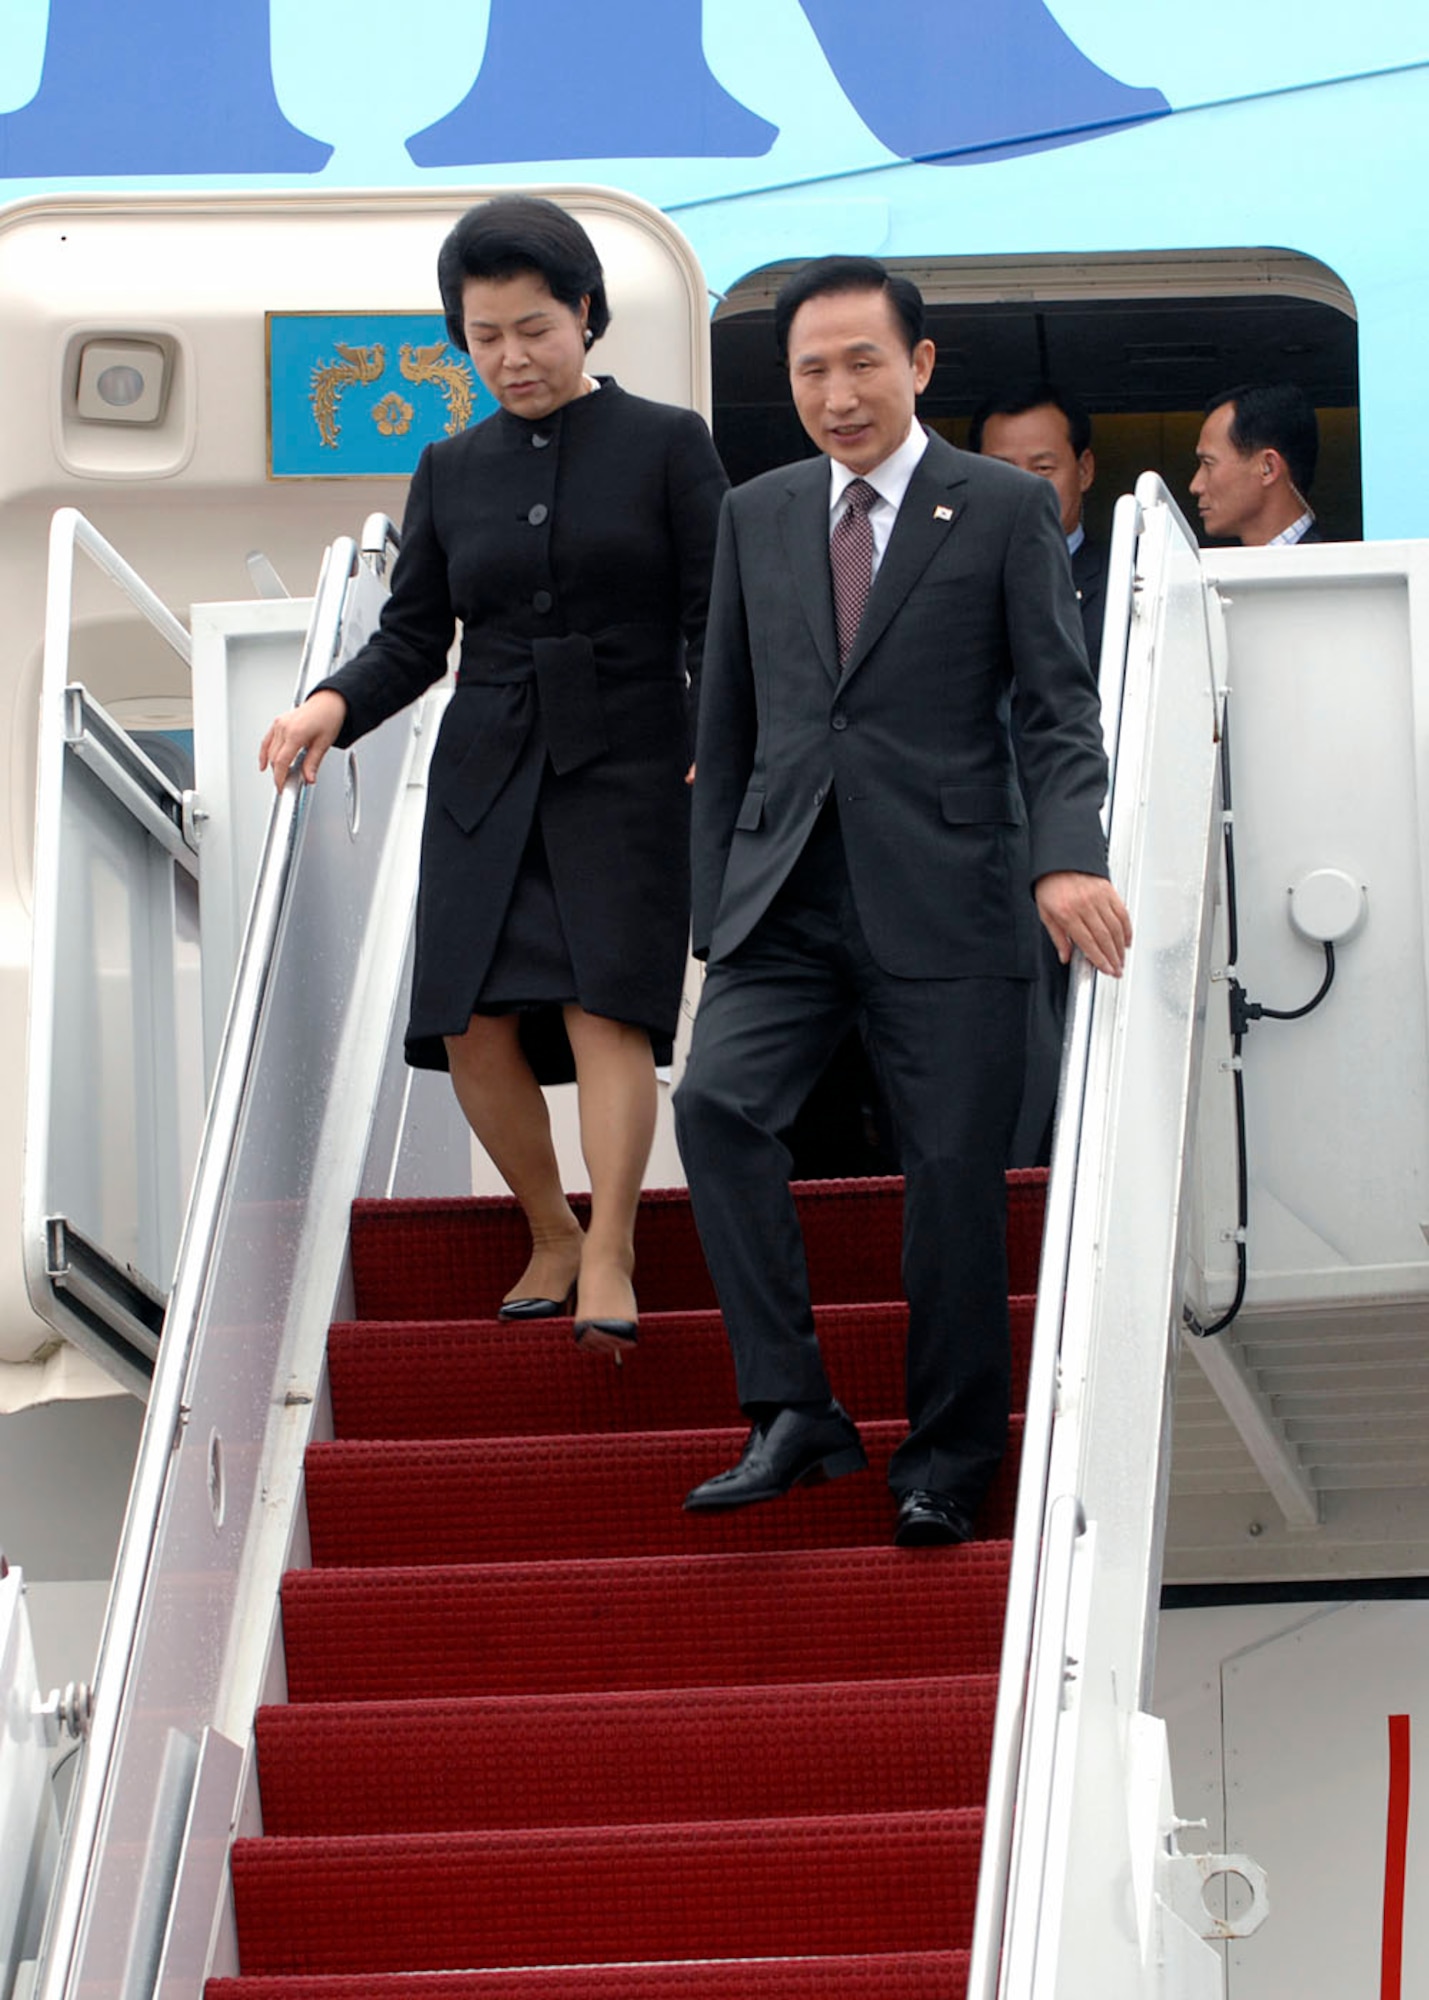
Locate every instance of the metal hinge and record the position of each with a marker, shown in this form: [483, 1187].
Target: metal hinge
[68, 1711]
[1184, 1878]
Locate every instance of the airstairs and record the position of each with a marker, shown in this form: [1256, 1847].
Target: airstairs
[415, 1677]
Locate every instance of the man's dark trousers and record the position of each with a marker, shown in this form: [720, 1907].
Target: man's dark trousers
[949, 1056]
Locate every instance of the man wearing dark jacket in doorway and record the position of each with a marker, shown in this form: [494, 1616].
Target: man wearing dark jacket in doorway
[1040, 428]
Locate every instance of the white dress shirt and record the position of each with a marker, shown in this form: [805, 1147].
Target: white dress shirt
[889, 481]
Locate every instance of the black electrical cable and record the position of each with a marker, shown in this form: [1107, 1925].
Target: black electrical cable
[1243, 1013]
[1252, 1010]
[60, 1762]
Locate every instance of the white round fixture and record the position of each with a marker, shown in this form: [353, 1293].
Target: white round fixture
[1327, 906]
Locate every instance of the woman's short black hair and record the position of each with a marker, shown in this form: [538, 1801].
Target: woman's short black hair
[522, 232]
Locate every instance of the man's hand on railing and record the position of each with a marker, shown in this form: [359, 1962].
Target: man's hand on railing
[1085, 911]
[311, 728]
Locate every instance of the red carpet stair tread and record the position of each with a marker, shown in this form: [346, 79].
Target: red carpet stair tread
[564, 1895]
[549, 1737]
[453, 1259]
[652, 1621]
[909, 1975]
[626, 1759]
[389, 1376]
[408, 1503]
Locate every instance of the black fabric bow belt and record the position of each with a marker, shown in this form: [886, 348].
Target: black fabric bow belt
[567, 697]
[567, 685]
[567, 682]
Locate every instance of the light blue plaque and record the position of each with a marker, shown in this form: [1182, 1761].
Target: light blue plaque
[357, 395]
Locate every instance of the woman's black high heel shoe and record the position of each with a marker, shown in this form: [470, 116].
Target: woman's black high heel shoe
[538, 1308]
[614, 1335]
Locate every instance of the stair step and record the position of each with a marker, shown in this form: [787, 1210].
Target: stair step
[650, 1622]
[483, 1378]
[455, 1258]
[828, 1748]
[406, 1902]
[914, 1975]
[687, 1758]
[434, 1501]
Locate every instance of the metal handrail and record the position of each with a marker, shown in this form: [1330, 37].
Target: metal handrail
[69, 530]
[123, 769]
[377, 538]
[167, 1401]
[1028, 1551]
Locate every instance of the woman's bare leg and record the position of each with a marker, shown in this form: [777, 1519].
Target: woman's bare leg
[504, 1105]
[615, 1078]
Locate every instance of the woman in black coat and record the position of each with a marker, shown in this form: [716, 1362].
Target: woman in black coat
[572, 534]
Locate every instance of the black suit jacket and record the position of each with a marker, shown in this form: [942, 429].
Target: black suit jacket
[1089, 576]
[575, 549]
[912, 733]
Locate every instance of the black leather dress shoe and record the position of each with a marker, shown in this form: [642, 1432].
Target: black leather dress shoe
[537, 1308]
[928, 1520]
[790, 1448]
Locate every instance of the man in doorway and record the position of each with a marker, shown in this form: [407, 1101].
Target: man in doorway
[1255, 462]
[862, 854]
[1042, 429]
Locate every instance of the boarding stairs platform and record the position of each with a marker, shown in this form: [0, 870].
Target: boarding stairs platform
[416, 1678]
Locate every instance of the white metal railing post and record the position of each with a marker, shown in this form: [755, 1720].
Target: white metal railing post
[1057, 1843]
[164, 1421]
[70, 530]
[1025, 1575]
[311, 1046]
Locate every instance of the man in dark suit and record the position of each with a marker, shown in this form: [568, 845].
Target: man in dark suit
[862, 853]
[1255, 465]
[1041, 429]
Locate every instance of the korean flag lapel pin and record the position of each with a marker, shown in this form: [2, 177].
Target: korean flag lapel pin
[942, 513]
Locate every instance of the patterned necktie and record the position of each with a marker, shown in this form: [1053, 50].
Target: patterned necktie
[851, 559]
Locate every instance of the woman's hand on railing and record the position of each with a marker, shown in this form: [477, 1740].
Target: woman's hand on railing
[311, 729]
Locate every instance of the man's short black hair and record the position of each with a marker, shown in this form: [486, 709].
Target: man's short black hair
[1017, 400]
[513, 233]
[827, 275]
[1274, 416]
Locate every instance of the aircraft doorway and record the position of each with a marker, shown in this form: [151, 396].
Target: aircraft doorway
[1141, 342]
